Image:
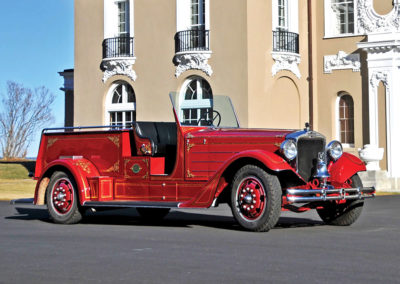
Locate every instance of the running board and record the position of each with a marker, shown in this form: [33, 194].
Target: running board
[125, 204]
[22, 201]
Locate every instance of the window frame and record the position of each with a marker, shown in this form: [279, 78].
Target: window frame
[339, 119]
[331, 24]
[199, 104]
[184, 15]
[111, 18]
[124, 107]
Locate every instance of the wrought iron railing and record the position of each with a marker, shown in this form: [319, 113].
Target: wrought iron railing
[286, 41]
[118, 47]
[192, 40]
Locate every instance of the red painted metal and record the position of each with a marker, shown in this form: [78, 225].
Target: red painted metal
[157, 165]
[344, 168]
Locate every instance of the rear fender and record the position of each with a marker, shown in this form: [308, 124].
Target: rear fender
[80, 169]
[344, 168]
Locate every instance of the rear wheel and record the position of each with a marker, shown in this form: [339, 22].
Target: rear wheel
[62, 199]
[153, 214]
[256, 199]
[343, 214]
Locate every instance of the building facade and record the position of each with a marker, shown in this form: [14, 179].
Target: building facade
[332, 63]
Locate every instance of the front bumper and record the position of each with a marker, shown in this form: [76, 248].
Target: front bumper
[295, 195]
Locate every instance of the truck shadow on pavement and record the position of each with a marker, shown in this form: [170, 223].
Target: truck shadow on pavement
[129, 217]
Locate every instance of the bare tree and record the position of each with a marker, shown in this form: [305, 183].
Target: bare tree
[24, 111]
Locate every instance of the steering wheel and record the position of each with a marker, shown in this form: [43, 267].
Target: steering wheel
[216, 117]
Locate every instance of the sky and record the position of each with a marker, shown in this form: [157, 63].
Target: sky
[37, 42]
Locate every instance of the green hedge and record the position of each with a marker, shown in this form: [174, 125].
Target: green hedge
[16, 169]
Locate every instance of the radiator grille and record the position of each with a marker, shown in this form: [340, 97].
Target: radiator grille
[308, 149]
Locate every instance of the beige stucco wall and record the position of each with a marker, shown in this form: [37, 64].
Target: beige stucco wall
[88, 89]
[328, 86]
[241, 45]
[383, 7]
[155, 27]
[274, 104]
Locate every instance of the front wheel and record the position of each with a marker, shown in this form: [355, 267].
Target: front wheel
[343, 214]
[62, 199]
[256, 199]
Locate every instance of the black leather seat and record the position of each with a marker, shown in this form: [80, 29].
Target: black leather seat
[161, 134]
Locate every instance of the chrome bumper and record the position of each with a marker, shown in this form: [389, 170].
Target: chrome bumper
[295, 195]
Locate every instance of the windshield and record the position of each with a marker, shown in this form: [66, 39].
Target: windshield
[217, 112]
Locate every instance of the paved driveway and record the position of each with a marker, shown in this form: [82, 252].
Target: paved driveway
[199, 246]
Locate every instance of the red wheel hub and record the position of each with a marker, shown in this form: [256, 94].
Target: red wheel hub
[62, 196]
[251, 198]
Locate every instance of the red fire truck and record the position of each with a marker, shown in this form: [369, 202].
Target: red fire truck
[189, 163]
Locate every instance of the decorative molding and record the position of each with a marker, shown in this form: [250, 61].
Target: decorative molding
[371, 22]
[377, 77]
[118, 66]
[190, 61]
[286, 61]
[342, 60]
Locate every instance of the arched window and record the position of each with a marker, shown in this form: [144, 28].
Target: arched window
[121, 105]
[196, 101]
[346, 119]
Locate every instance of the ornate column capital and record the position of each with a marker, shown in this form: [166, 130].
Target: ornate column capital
[378, 76]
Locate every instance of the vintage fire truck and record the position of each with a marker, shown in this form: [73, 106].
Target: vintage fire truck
[190, 163]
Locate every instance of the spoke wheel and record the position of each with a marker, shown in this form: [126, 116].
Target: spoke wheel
[62, 200]
[256, 199]
[251, 198]
[62, 195]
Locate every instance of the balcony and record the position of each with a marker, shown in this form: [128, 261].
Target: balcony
[118, 47]
[192, 40]
[118, 57]
[285, 41]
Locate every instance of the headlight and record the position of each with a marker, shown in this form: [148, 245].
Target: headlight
[335, 150]
[289, 149]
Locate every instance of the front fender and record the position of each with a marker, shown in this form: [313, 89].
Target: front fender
[344, 168]
[80, 169]
[216, 184]
[271, 160]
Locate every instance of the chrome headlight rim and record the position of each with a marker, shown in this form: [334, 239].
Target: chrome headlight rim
[335, 150]
[289, 149]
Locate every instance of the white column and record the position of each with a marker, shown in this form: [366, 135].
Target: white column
[393, 122]
[374, 81]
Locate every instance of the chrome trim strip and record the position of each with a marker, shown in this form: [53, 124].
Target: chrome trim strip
[131, 204]
[109, 127]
